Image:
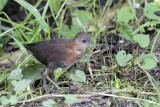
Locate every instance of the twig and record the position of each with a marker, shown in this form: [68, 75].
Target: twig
[58, 95]
[149, 77]
[149, 93]
[129, 98]
[24, 101]
[89, 95]
[90, 70]
[112, 47]
[127, 91]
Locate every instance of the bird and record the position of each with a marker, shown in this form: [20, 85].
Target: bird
[59, 52]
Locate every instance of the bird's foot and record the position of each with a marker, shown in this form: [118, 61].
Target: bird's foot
[45, 87]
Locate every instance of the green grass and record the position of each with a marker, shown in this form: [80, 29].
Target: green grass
[129, 80]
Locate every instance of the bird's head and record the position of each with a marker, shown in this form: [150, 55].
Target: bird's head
[84, 40]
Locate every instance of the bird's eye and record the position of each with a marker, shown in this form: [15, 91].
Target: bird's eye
[84, 41]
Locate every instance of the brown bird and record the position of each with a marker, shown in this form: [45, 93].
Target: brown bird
[59, 52]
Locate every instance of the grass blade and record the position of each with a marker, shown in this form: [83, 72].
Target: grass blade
[35, 12]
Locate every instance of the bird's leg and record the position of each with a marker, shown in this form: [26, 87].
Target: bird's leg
[45, 75]
[44, 80]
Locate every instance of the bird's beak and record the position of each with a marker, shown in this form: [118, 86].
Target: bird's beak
[92, 45]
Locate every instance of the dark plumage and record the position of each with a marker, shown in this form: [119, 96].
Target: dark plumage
[60, 52]
[48, 52]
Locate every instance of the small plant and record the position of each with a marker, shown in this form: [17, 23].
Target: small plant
[124, 68]
[70, 99]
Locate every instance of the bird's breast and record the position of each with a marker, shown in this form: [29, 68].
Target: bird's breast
[72, 56]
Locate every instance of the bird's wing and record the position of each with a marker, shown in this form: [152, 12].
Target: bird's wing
[46, 52]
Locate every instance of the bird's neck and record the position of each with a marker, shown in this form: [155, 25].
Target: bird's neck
[79, 48]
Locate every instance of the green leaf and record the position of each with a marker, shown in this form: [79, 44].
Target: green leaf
[137, 60]
[48, 103]
[66, 33]
[65, 29]
[85, 59]
[149, 63]
[13, 100]
[152, 16]
[70, 99]
[92, 29]
[3, 76]
[79, 76]
[82, 18]
[150, 11]
[142, 56]
[126, 30]
[154, 57]
[69, 33]
[16, 74]
[157, 2]
[75, 30]
[4, 100]
[104, 67]
[142, 39]
[58, 73]
[30, 73]
[125, 14]
[122, 58]
[151, 8]
[55, 5]
[19, 86]
[5, 92]
[35, 12]
[2, 4]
